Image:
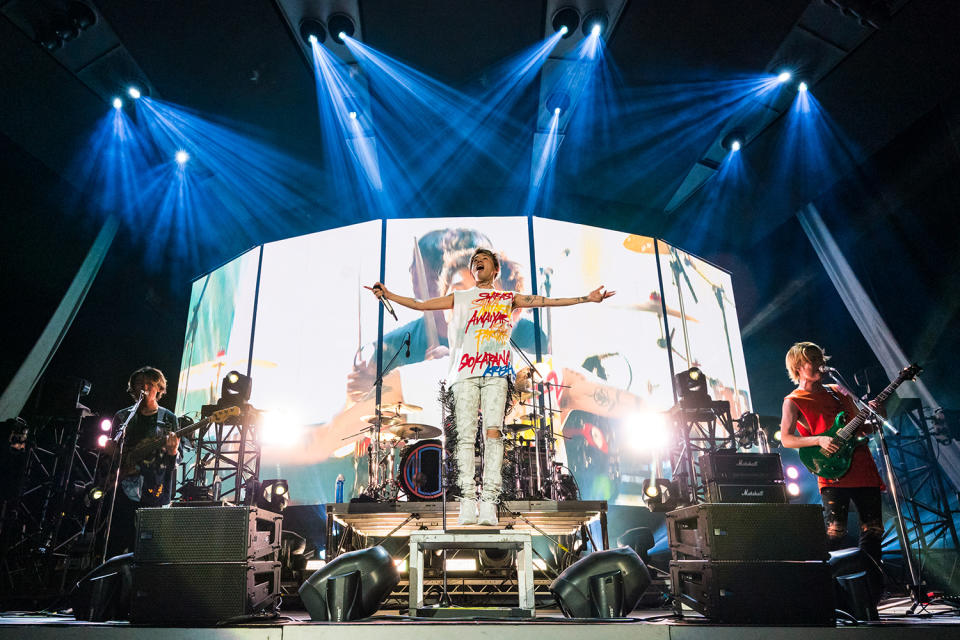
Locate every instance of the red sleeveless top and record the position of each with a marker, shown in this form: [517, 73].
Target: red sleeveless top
[819, 409]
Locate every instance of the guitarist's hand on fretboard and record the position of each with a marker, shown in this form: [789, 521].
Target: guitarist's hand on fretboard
[171, 444]
[827, 445]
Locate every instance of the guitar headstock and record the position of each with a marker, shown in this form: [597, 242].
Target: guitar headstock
[910, 373]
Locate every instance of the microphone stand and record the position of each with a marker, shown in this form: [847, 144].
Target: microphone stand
[120, 440]
[913, 577]
[373, 452]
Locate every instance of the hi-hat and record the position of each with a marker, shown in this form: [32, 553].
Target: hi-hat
[383, 420]
[414, 431]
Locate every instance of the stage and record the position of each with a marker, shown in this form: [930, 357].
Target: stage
[654, 624]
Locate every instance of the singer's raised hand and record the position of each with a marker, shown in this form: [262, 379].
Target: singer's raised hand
[378, 290]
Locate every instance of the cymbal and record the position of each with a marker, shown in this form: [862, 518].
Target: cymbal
[653, 306]
[399, 407]
[414, 431]
[384, 420]
[518, 426]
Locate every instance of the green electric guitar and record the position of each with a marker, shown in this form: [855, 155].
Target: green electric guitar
[833, 465]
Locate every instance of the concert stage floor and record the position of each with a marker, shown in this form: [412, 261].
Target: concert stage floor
[659, 624]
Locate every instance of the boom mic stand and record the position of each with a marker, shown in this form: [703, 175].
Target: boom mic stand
[373, 452]
[120, 439]
[913, 577]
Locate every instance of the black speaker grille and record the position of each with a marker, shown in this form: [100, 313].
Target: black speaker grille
[748, 532]
[203, 534]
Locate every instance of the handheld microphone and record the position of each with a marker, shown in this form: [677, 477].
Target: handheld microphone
[407, 341]
[386, 305]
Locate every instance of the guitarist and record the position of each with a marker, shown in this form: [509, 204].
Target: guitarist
[808, 412]
[148, 482]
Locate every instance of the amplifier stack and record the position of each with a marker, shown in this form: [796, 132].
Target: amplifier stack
[205, 564]
[729, 476]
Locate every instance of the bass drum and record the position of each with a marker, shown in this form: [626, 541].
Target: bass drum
[420, 470]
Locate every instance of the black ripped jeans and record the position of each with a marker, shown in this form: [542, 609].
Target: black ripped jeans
[836, 505]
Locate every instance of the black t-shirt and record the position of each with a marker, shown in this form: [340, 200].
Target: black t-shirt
[153, 482]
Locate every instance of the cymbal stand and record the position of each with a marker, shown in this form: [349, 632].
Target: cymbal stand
[375, 488]
[912, 574]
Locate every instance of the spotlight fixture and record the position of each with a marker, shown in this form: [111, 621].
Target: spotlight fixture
[566, 18]
[273, 495]
[595, 23]
[691, 387]
[342, 25]
[783, 76]
[311, 30]
[134, 92]
[81, 15]
[106, 424]
[735, 137]
[235, 390]
[557, 101]
[117, 103]
[102, 440]
[802, 87]
[182, 157]
[661, 495]
[64, 27]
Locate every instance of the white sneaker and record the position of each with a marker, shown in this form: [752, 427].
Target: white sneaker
[468, 512]
[487, 513]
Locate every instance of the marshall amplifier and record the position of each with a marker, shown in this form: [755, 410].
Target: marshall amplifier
[748, 532]
[731, 467]
[754, 493]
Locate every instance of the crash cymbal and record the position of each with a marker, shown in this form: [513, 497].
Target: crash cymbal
[517, 426]
[385, 420]
[414, 431]
[653, 306]
[399, 407]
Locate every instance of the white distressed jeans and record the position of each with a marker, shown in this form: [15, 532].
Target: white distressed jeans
[489, 396]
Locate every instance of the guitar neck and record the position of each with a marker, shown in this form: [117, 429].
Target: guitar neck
[851, 427]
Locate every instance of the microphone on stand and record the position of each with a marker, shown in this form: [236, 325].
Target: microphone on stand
[825, 369]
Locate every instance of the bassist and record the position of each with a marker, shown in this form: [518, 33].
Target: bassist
[148, 482]
[808, 412]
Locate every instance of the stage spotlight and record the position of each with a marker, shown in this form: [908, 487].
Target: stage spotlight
[802, 87]
[353, 115]
[342, 25]
[691, 388]
[182, 157]
[792, 472]
[648, 431]
[102, 440]
[273, 495]
[134, 92]
[235, 390]
[94, 494]
[793, 489]
[117, 103]
[64, 27]
[784, 76]
[81, 15]
[311, 30]
[557, 100]
[734, 137]
[605, 584]
[566, 18]
[661, 495]
[556, 111]
[351, 586]
[594, 24]
[106, 424]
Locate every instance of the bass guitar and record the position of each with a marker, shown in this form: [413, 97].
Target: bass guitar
[145, 450]
[844, 434]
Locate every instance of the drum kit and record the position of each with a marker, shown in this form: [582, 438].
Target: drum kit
[405, 459]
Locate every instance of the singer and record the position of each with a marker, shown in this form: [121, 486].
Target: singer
[810, 410]
[148, 482]
[481, 363]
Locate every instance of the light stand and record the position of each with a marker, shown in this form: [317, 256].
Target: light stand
[913, 577]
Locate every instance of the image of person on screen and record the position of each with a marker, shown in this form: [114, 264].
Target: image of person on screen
[428, 333]
[147, 479]
[481, 363]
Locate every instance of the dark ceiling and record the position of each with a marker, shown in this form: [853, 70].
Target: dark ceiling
[239, 61]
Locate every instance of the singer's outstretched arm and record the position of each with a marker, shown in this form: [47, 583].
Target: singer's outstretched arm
[433, 304]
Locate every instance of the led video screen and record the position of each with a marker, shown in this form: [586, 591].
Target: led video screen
[316, 347]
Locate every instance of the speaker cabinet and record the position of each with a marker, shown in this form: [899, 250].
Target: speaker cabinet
[747, 532]
[207, 534]
[746, 493]
[730, 467]
[755, 592]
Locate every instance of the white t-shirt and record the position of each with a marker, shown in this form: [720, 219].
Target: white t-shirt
[479, 333]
